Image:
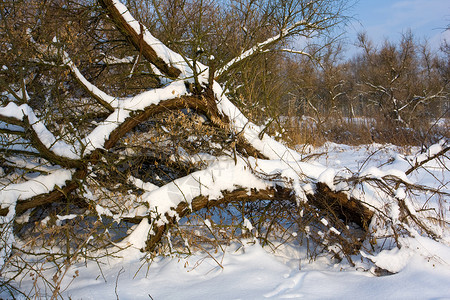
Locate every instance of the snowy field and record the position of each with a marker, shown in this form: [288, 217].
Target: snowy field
[250, 273]
[247, 271]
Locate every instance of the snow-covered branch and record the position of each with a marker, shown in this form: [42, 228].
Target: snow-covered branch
[42, 184]
[285, 32]
[40, 136]
[168, 62]
[104, 99]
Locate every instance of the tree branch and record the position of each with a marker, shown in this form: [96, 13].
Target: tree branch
[122, 20]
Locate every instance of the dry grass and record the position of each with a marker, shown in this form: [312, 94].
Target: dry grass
[362, 131]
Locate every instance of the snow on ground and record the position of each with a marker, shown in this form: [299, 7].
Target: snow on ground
[247, 271]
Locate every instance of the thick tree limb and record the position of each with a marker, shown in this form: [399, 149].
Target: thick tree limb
[197, 103]
[47, 153]
[349, 209]
[346, 208]
[200, 202]
[53, 196]
[36, 142]
[135, 38]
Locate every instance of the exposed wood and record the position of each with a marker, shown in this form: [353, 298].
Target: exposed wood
[346, 208]
[13, 121]
[53, 196]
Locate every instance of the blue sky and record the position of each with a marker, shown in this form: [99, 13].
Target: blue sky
[387, 19]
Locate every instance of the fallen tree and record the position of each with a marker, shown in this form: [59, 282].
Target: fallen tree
[167, 152]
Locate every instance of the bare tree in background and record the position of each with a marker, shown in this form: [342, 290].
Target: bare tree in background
[402, 80]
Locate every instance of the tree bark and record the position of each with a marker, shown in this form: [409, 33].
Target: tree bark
[200, 202]
[135, 38]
